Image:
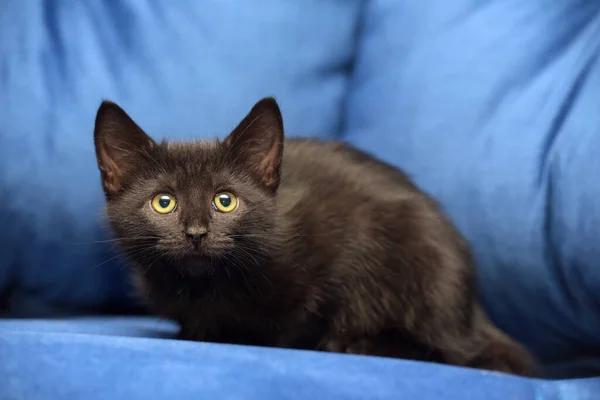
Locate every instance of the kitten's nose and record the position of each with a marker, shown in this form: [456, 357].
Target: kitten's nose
[196, 233]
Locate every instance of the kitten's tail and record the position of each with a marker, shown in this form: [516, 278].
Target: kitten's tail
[499, 352]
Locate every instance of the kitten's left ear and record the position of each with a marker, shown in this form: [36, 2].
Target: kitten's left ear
[258, 142]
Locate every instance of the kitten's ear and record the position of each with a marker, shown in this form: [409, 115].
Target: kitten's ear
[258, 142]
[121, 146]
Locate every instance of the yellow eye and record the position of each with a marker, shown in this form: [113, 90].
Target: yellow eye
[225, 202]
[163, 203]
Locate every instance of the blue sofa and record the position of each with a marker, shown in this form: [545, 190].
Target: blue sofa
[491, 106]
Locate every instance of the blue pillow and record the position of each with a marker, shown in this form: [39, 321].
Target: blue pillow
[494, 108]
[184, 68]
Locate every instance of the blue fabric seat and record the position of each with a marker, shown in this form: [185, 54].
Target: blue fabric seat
[120, 358]
[490, 106]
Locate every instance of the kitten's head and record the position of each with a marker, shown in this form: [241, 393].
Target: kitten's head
[187, 202]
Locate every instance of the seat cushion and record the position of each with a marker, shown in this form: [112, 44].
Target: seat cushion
[132, 358]
[493, 108]
[185, 69]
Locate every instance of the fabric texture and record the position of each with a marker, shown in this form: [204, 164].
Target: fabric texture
[185, 69]
[493, 108]
[114, 364]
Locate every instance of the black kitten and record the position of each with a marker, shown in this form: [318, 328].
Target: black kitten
[315, 246]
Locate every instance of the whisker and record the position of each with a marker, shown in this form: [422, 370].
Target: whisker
[244, 267]
[152, 263]
[107, 261]
[277, 237]
[256, 263]
[116, 240]
[135, 251]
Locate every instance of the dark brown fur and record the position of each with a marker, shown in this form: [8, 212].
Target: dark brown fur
[329, 249]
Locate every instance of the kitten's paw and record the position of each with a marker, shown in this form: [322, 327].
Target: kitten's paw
[506, 357]
[334, 346]
[184, 334]
[361, 346]
[386, 344]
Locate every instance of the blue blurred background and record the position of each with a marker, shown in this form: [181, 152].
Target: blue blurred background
[492, 106]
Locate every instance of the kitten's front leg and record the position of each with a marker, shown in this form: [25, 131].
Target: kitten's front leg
[225, 336]
[190, 329]
[385, 344]
[186, 333]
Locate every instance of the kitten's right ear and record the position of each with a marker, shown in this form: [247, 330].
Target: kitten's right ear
[121, 146]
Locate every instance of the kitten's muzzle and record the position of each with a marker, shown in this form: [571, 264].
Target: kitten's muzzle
[196, 234]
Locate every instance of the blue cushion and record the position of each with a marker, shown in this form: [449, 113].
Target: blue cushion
[105, 358]
[184, 68]
[493, 107]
